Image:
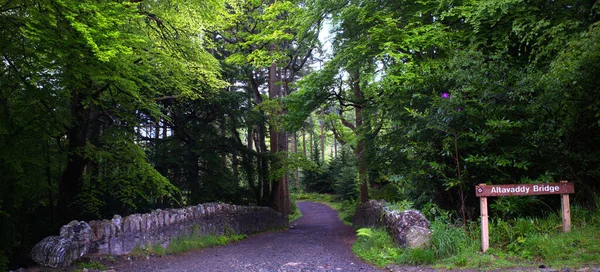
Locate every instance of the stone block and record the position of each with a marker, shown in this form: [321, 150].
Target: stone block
[60, 251]
[418, 237]
[407, 228]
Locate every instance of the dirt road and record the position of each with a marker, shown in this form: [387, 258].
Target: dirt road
[318, 241]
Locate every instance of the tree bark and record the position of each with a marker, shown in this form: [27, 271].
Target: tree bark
[223, 128]
[310, 137]
[322, 122]
[360, 142]
[295, 150]
[49, 180]
[335, 147]
[71, 181]
[304, 141]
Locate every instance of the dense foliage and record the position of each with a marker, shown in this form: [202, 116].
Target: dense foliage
[464, 92]
[125, 106]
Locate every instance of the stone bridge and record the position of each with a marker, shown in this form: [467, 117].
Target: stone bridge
[121, 235]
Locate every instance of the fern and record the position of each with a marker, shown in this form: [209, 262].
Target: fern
[364, 232]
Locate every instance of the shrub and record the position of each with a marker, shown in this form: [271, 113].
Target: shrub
[416, 256]
[375, 246]
[94, 265]
[400, 205]
[447, 240]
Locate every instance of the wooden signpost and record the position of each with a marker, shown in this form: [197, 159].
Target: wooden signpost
[483, 191]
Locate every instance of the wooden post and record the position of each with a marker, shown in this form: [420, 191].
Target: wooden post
[566, 210]
[564, 188]
[485, 237]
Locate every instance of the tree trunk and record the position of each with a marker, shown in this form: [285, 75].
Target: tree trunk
[274, 139]
[304, 141]
[283, 181]
[263, 166]
[49, 180]
[335, 147]
[71, 181]
[295, 150]
[279, 199]
[262, 162]
[360, 142]
[310, 138]
[322, 138]
[223, 135]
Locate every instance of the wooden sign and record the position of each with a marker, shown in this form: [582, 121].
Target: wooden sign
[482, 191]
[524, 189]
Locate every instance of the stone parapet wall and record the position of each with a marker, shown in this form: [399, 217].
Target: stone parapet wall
[408, 228]
[121, 235]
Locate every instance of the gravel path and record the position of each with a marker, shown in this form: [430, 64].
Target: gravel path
[318, 241]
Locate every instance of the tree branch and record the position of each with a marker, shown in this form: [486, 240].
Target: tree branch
[347, 124]
[336, 134]
[166, 97]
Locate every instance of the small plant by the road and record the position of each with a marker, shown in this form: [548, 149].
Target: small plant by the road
[416, 256]
[448, 240]
[139, 252]
[158, 250]
[93, 265]
[197, 241]
[375, 246]
[109, 258]
[295, 213]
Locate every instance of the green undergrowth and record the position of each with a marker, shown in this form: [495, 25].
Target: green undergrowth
[91, 265]
[193, 241]
[519, 242]
[295, 213]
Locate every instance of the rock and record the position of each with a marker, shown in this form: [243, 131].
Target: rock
[399, 225]
[408, 228]
[418, 237]
[61, 251]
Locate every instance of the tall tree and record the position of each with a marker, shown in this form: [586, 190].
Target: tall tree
[270, 42]
[78, 78]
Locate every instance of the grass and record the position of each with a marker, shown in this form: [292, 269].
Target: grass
[197, 241]
[193, 241]
[92, 265]
[375, 246]
[515, 243]
[295, 213]
[521, 242]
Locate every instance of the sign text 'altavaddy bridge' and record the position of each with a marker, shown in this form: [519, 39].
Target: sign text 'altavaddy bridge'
[524, 189]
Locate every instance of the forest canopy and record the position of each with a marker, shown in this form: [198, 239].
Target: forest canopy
[116, 107]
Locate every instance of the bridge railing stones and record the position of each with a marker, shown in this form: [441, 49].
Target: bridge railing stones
[408, 228]
[120, 236]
